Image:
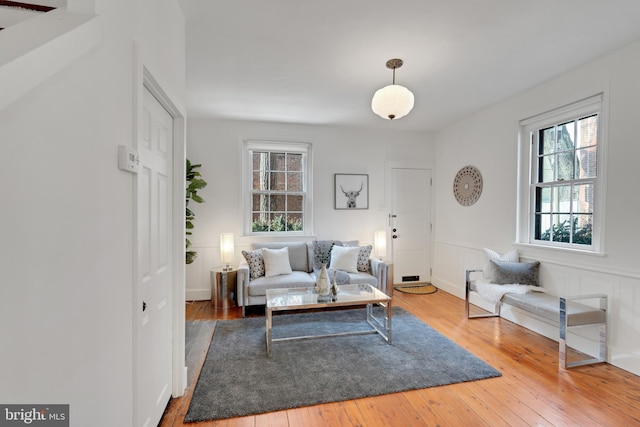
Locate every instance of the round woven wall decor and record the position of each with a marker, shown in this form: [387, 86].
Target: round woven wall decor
[467, 186]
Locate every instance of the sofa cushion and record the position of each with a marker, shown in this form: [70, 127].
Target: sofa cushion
[363, 278]
[276, 261]
[255, 262]
[345, 258]
[548, 306]
[298, 255]
[520, 273]
[297, 279]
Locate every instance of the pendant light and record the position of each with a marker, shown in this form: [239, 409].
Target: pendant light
[393, 101]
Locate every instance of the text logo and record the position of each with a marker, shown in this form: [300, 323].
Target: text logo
[34, 415]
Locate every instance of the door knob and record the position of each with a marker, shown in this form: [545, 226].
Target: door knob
[144, 305]
[394, 236]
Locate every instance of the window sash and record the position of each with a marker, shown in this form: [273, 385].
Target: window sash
[276, 213]
[572, 221]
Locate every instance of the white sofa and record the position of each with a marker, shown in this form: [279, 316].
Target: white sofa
[304, 260]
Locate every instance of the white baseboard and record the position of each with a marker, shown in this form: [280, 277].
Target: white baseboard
[198, 294]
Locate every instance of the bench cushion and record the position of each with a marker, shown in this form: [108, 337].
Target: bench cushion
[548, 306]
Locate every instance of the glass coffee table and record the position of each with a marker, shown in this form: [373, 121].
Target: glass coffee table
[348, 296]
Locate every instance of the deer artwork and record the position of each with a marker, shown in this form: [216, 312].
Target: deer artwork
[351, 196]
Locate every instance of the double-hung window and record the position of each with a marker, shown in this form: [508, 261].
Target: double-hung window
[564, 177]
[277, 182]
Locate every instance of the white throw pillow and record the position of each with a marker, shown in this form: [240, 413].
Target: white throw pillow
[276, 262]
[511, 256]
[345, 258]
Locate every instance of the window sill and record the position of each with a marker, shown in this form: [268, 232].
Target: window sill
[561, 249]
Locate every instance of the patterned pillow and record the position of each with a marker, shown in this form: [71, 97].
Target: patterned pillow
[363, 259]
[256, 263]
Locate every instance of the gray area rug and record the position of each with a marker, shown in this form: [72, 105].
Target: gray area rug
[238, 379]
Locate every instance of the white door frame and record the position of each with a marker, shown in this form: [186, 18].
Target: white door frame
[388, 167]
[144, 78]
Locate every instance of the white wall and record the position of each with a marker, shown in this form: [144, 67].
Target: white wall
[66, 220]
[488, 140]
[217, 145]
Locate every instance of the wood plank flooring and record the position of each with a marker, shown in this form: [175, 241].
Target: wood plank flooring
[532, 391]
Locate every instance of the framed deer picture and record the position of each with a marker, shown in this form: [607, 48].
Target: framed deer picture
[351, 191]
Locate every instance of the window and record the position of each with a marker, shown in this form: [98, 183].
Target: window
[277, 183]
[564, 177]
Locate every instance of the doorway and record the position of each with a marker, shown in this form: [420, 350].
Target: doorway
[410, 225]
[159, 370]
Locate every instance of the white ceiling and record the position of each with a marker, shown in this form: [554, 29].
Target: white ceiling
[319, 62]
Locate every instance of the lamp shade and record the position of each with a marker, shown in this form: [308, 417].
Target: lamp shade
[380, 243]
[227, 247]
[392, 102]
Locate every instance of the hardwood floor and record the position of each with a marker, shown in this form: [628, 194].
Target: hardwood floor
[532, 391]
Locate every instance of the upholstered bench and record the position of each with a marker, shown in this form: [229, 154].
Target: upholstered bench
[562, 312]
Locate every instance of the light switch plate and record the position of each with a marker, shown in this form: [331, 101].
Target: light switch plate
[128, 159]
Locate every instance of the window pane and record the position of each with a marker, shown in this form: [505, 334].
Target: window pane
[294, 162]
[587, 132]
[294, 222]
[561, 199]
[260, 181]
[587, 162]
[545, 168]
[565, 165]
[561, 231]
[294, 181]
[582, 228]
[278, 161]
[543, 227]
[543, 199]
[278, 202]
[583, 198]
[566, 133]
[278, 181]
[260, 221]
[261, 202]
[294, 203]
[548, 141]
[260, 161]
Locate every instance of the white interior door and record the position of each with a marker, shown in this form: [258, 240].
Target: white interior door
[152, 346]
[410, 223]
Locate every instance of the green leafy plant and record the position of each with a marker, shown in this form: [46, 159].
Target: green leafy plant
[194, 183]
[562, 232]
[277, 223]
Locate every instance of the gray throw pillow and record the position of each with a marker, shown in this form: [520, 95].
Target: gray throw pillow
[520, 273]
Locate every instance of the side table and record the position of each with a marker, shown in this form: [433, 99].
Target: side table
[223, 288]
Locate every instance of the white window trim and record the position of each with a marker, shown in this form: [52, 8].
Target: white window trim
[527, 161]
[249, 145]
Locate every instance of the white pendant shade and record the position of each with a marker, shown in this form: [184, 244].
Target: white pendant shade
[392, 102]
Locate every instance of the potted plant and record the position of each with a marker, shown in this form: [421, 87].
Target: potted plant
[194, 183]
